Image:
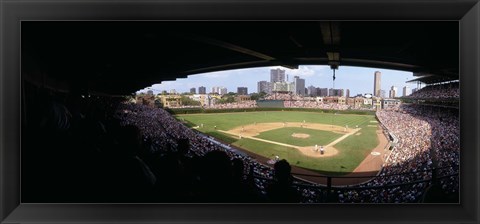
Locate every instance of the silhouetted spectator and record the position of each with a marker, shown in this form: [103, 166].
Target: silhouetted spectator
[243, 190]
[281, 190]
[131, 179]
[216, 177]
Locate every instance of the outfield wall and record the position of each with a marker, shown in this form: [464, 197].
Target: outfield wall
[256, 109]
[270, 104]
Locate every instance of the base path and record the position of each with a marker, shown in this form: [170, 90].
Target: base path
[343, 137]
[370, 166]
[249, 131]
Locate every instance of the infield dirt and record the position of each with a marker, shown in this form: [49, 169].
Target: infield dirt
[370, 166]
[252, 130]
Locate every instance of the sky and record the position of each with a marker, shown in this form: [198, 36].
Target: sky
[358, 79]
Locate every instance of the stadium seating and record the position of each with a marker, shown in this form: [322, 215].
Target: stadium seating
[170, 162]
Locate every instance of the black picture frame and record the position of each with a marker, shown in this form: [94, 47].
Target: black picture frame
[12, 211]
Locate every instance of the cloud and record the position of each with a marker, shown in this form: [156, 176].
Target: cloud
[305, 71]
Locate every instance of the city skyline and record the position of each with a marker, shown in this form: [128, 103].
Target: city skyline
[358, 80]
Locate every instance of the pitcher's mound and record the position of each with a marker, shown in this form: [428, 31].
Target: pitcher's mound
[300, 135]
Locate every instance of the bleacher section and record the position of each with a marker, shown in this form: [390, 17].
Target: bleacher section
[270, 103]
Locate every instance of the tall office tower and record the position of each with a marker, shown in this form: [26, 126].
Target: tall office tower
[382, 93]
[215, 89]
[192, 91]
[347, 93]
[406, 91]
[312, 91]
[335, 92]
[270, 87]
[202, 90]
[299, 85]
[393, 92]
[277, 75]
[150, 92]
[263, 86]
[376, 83]
[322, 92]
[242, 90]
[222, 91]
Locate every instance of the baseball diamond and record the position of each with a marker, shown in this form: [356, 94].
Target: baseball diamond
[265, 135]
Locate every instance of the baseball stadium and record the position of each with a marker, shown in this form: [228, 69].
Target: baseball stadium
[300, 138]
[104, 142]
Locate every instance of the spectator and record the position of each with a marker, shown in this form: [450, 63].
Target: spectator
[281, 190]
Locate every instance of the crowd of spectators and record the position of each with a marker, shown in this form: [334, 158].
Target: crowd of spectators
[234, 105]
[134, 153]
[315, 104]
[411, 161]
[112, 151]
[291, 100]
[438, 91]
[428, 138]
[260, 175]
[283, 96]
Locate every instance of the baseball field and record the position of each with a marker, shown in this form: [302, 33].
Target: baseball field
[299, 137]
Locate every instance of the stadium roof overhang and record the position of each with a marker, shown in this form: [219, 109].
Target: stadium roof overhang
[432, 79]
[123, 57]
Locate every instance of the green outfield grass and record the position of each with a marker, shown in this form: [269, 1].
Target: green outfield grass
[352, 150]
[284, 135]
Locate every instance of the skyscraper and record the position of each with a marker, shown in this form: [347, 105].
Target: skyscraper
[322, 92]
[202, 90]
[242, 90]
[299, 85]
[382, 93]
[192, 91]
[216, 89]
[263, 86]
[312, 91]
[335, 92]
[277, 75]
[393, 92]
[406, 91]
[376, 83]
[223, 91]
